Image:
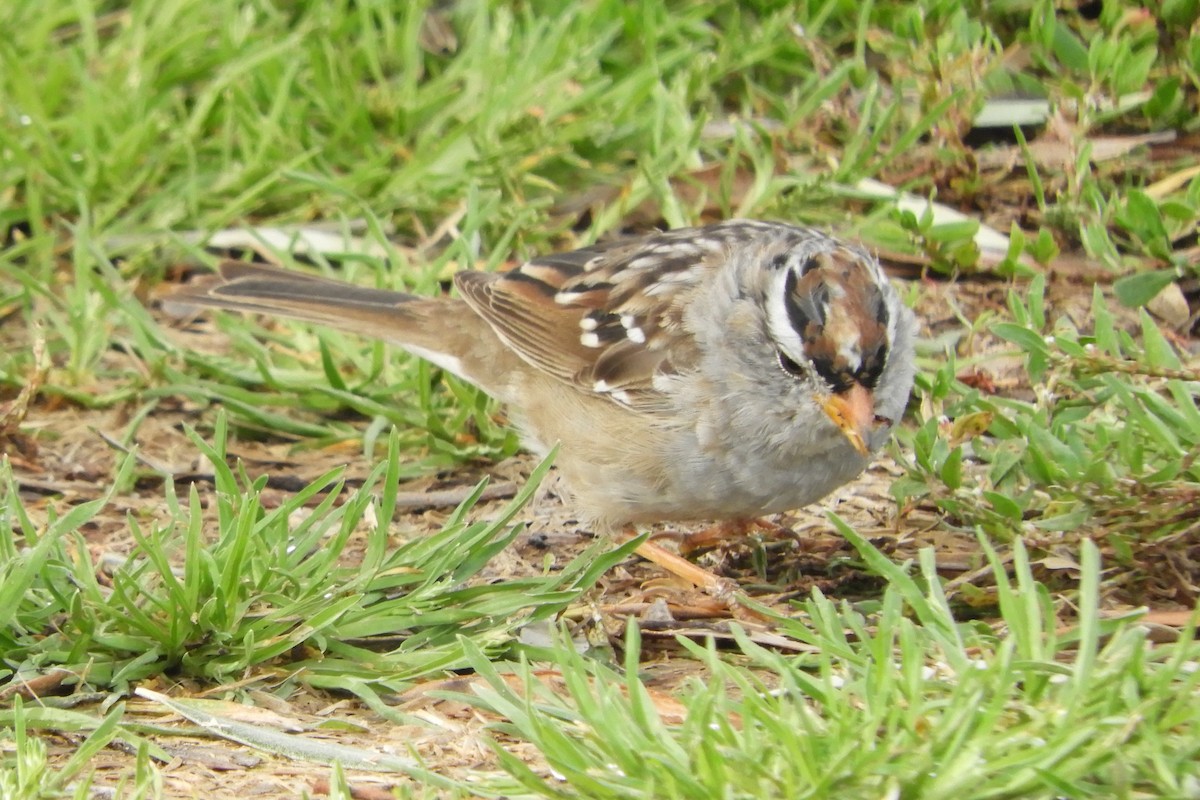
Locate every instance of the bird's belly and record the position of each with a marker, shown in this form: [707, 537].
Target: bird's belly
[654, 479]
[671, 471]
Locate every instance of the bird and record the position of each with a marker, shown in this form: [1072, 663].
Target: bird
[724, 372]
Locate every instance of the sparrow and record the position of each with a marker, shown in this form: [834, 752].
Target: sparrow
[723, 372]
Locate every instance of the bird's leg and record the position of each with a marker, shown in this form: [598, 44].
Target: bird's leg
[718, 534]
[720, 588]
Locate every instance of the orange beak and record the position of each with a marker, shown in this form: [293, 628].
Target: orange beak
[853, 411]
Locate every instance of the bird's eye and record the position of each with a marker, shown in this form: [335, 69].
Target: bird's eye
[789, 366]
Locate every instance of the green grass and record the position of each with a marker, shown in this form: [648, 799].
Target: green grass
[520, 128]
[270, 585]
[1024, 713]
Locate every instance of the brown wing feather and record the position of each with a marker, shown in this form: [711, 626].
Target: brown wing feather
[531, 326]
[599, 317]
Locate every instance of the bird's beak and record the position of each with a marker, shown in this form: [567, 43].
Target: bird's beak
[853, 411]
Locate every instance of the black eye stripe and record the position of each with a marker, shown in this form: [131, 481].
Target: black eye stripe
[835, 373]
[875, 358]
[879, 307]
[872, 367]
[807, 308]
[782, 261]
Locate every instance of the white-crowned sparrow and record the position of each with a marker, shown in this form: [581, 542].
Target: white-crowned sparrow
[728, 371]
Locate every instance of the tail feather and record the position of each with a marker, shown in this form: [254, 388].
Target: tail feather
[442, 330]
[239, 286]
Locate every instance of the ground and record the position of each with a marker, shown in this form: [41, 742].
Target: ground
[1001, 606]
[73, 449]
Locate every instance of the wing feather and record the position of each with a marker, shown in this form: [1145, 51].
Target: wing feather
[607, 318]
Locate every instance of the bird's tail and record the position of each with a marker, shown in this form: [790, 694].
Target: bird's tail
[238, 286]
